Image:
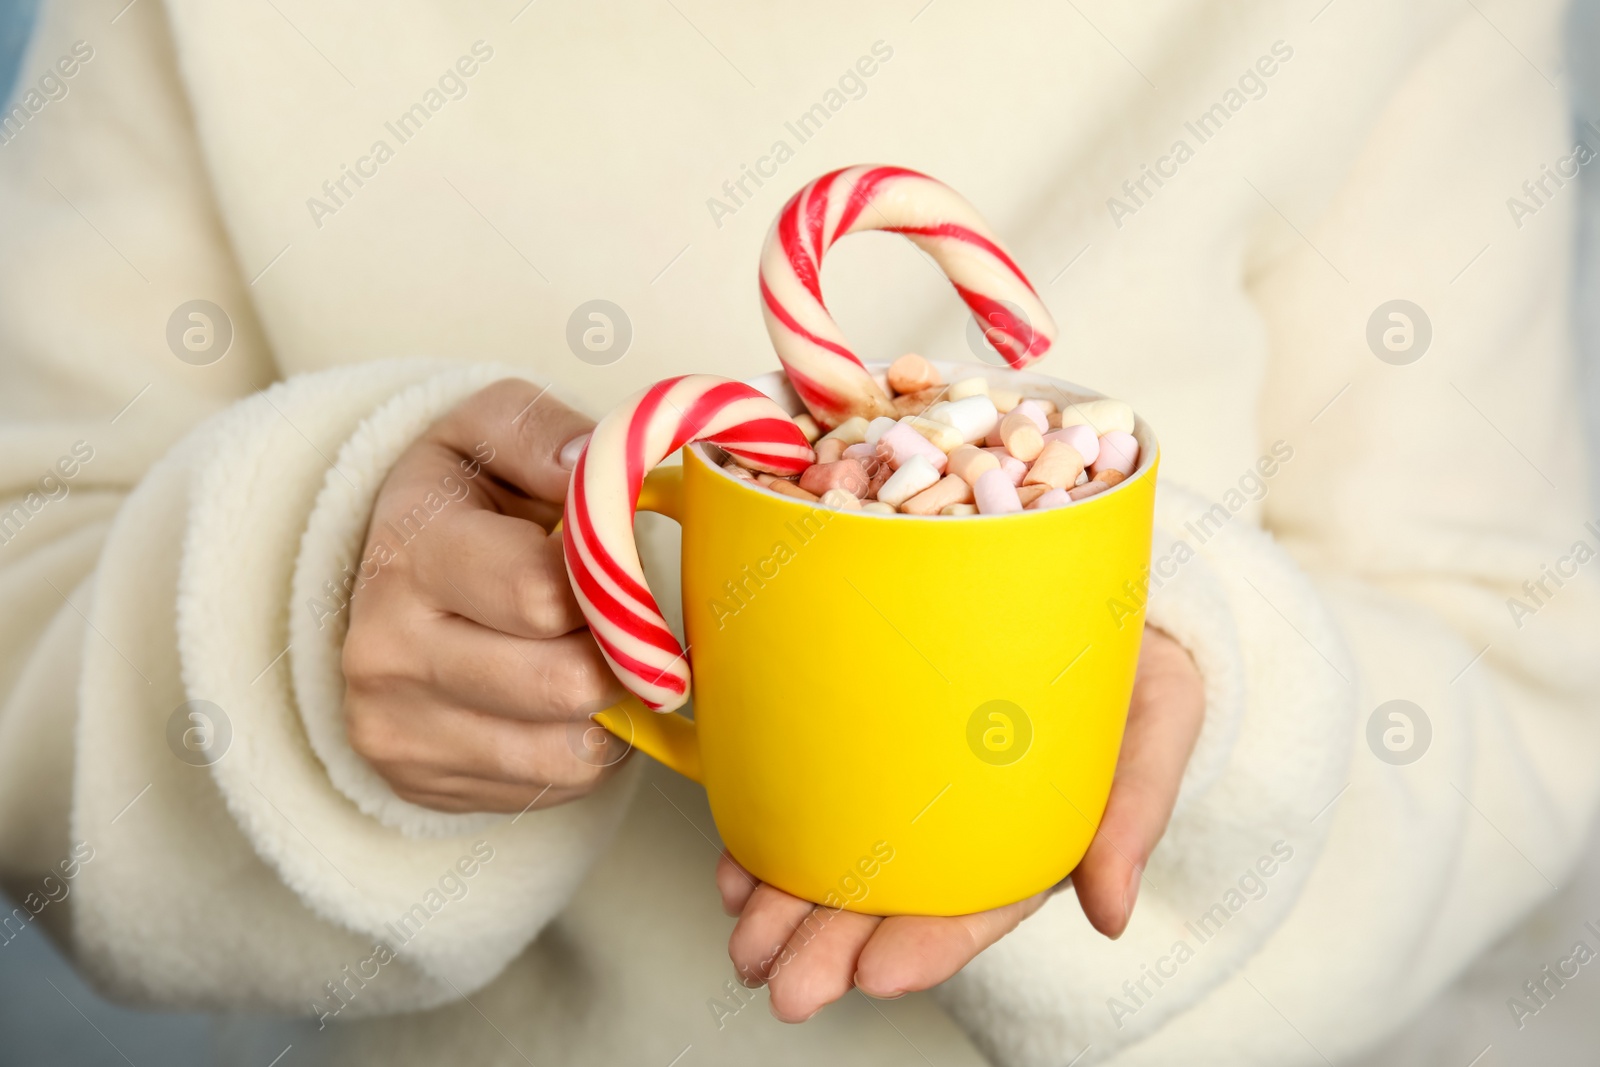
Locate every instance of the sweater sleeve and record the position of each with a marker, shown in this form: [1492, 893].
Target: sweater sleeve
[175, 535]
[1398, 758]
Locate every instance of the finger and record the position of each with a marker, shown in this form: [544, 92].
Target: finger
[458, 663]
[912, 952]
[563, 679]
[734, 883]
[825, 948]
[758, 945]
[434, 744]
[459, 796]
[498, 571]
[1164, 719]
[515, 430]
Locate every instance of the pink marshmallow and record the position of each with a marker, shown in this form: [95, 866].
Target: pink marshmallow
[1055, 498]
[844, 474]
[1035, 413]
[995, 494]
[1010, 465]
[861, 452]
[1119, 451]
[900, 442]
[1080, 437]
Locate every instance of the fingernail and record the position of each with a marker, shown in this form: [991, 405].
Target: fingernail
[1129, 895]
[855, 980]
[568, 456]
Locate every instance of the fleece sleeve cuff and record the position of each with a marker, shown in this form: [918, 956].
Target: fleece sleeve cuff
[294, 865]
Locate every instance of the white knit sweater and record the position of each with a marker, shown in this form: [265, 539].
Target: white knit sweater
[396, 204]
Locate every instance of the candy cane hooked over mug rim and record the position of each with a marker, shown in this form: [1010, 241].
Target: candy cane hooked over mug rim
[827, 375]
[597, 529]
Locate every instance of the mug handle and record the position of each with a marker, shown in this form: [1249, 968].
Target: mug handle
[668, 737]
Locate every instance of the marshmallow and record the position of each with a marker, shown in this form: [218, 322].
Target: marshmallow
[878, 507]
[1055, 498]
[969, 461]
[918, 402]
[1029, 493]
[911, 373]
[913, 476]
[830, 449]
[1119, 451]
[880, 472]
[1102, 415]
[941, 435]
[1004, 399]
[1021, 435]
[974, 417]
[846, 474]
[1087, 489]
[864, 453]
[1111, 476]
[1012, 467]
[851, 431]
[995, 495]
[1080, 437]
[959, 509]
[1032, 409]
[1057, 466]
[968, 387]
[901, 443]
[841, 499]
[809, 427]
[744, 474]
[946, 491]
[784, 487]
[876, 427]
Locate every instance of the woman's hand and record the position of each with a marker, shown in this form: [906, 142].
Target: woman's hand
[810, 956]
[469, 674]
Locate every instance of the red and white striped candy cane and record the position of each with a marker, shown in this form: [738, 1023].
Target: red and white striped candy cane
[825, 373]
[602, 556]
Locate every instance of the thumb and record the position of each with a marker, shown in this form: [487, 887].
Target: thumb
[519, 433]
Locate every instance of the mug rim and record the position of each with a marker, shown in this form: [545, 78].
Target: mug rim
[775, 384]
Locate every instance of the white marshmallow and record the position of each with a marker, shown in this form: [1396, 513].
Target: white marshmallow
[914, 475]
[974, 417]
[876, 427]
[1102, 416]
[968, 387]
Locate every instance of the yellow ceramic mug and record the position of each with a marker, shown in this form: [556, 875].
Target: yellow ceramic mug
[897, 714]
